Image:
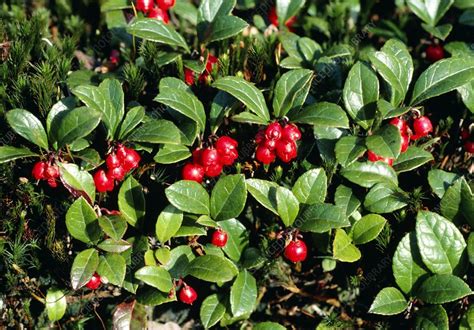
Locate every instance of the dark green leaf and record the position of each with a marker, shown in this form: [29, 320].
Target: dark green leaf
[243, 294]
[75, 124]
[441, 289]
[238, 238]
[8, 154]
[81, 222]
[131, 201]
[112, 268]
[212, 310]
[157, 131]
[287, 205]
[155, 276]
[56, 304]
[25, 124]
[79, 182]
[311, 187]
[323, 114]
[172, 153]
[133, 118]
[291, 91]
[320, 218]
[412, 158]
[84, 266]
[349, 149]
[228, 197]
[440, 181]
[212, 268]
[188, 196]
[114, 226]
[368, 174]
[346, 199]
[156, 31]
[262, 190]
[432, 318]
[385, 198]
[367, 228]
[385, 142]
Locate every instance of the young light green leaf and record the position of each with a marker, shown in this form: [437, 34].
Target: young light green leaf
[238, 238]
[212, 310]
[56, 304]
[287, 205]
[343, 249]
[367, 228]
[114, 226]
[112, 268]
[155, 276]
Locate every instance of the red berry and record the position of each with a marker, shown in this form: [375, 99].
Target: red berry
[94, 282]
[465, 134]
[39, 170]
[197, 155]
[165, 4]
[189, 76]
[52, 172]
[291, 132]
[422, 126]
[265, 155]
[129, 158]
[211, 61]
[112, 161]
[296, 251]
[469, 146]
[434, 53]
[270, 144]
[144, 5]
[193, 172]
[219, 238]
[159, 14]
[373, 157]
[400, 124]
[187, 295]
[209, 156]
[260, 137]
[286, 150]
[213, 170]
[52, 183]
[273, 18]
[227, 149]
[117, 173]
[102, 182]
[273, 131]
[405, 142]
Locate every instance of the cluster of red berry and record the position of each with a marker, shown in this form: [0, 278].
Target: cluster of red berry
[273, 18]
[159, 12]
[279, 141]
[210, 161]
[46, 171]
[190, 75]
[422, 126]
[119, 164]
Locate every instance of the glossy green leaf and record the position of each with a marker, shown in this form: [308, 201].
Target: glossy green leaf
[268, 326]
[361, 92]
[133, 118]
[367, 228]
[264, 192]
[323, 114]
[112, 268]
[225, 27]
[131, 201]
[112, 91]
[25, 124]
[168, 223]
[228, 197]
[77, 123]
[411, 159]
[346, 199]
[442, 246]
[442, 77]
[81, 222]
[152, 297]
[311, 187]
[171, 154]
[385, 198]
[110, 245]
[291, 91]
[8, 153]
[155, 276]
[157, 131]
[368, 174]
[286, 9]
[238, 238]
[212, 310]
[430, 11]
[349, 149]
[407, 265]
[440, 31]
[212, 268]
[320, 218]
[389, 301]
[441, 289]
[343, 249]
[385, 142]
[243, 294]
[246, 93]
[188, 196]
[84, 266]
[180, 257]
[56, 304]
[450, 204]
[432, 318]
[78, 182]
[287, 205]
[440, 181]
[114, 226]
[155, 30]
[393, 72]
